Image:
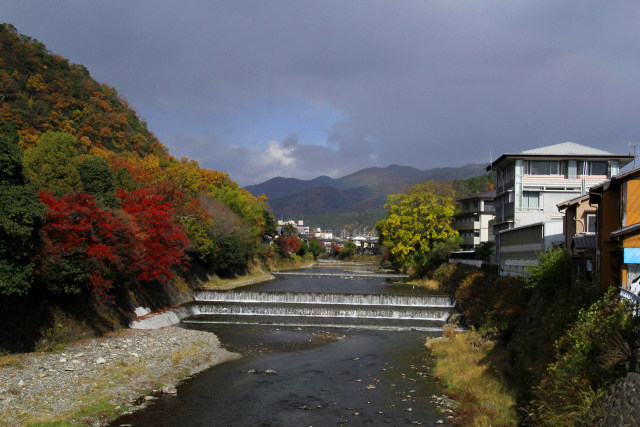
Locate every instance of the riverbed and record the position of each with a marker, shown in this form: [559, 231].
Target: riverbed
[316, 376]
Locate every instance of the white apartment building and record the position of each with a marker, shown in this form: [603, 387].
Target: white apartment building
[530, 185]
[473, 220]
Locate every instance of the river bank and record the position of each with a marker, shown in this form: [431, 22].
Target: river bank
[94, 381]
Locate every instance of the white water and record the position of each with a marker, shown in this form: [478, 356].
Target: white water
[345, 275]
[385, 300]
[323, 311]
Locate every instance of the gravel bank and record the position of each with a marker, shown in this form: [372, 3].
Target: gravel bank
[94, 381]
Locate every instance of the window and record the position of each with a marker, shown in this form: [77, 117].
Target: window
[593, 168]
[598, 168]
[530, 200]
[488, 206]
[591, 223]
[544, 167]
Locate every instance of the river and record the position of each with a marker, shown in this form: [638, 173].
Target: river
[308, 376]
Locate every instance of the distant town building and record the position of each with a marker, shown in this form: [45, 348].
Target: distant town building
[299, 225]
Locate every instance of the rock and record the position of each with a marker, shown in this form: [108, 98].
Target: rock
[251, 371]
[21, 383]
[169, 389]
[439, 422]
[69, 368]
[63, 360]
[270, 372]
[141, 311]
[409, 410]
[149, 398]
[370, 387]
[75, 361]
[100, 361]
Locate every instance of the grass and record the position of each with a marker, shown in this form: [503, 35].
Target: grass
[11, 361]
[236, 282]
[467, 365]
[429, 284]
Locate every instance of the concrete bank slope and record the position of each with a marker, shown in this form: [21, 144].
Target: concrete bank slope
[94, 381]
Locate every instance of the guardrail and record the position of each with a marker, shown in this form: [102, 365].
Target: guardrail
[635, 299]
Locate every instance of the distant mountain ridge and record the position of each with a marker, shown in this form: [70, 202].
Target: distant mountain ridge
[365, 190]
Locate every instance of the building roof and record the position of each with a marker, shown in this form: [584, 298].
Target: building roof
[625, 231]
[574, 201]
[565, 149]
[584, 241]
[597, 190]
[486, 195]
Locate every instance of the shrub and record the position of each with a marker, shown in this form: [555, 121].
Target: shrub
[589, 356]
[554, 270]
[451, 276]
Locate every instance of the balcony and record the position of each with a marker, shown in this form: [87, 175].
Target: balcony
[467, 225]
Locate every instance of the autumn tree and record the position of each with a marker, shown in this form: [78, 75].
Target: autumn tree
[417, 221]
[223, 238]
[53, 163]
[21, 214]
[163, 240]
[287, 245]
[85, 247]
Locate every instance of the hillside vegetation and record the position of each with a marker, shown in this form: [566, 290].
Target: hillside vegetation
[93, 209]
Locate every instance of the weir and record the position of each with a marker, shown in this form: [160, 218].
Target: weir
[347, 310]
[344, 275]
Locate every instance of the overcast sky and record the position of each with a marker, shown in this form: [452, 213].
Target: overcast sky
[297, 88]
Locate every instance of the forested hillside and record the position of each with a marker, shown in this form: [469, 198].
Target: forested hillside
[91, 203]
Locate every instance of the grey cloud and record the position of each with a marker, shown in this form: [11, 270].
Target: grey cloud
[425, 84]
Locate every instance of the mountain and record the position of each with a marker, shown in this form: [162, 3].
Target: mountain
[281, 187]
[332, 203]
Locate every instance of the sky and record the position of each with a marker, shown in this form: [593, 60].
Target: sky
[298, 88]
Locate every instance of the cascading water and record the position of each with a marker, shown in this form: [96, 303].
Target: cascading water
[366, 311]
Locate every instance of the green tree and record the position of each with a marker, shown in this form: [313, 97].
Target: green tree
[315, 248]
[21, 214]
[53, 163]
[348, 249]
[98, 179]
[270, 224]
[484, 251]
[303, 249]
[124, 180]
[553, 270]
[417, 221]
[289, 230]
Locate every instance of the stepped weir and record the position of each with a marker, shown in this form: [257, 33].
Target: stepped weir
[346, 310]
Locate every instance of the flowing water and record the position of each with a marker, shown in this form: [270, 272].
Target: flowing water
[370, 369]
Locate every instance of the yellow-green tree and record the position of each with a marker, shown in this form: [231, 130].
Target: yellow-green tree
[416, 222]
[53, 163]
